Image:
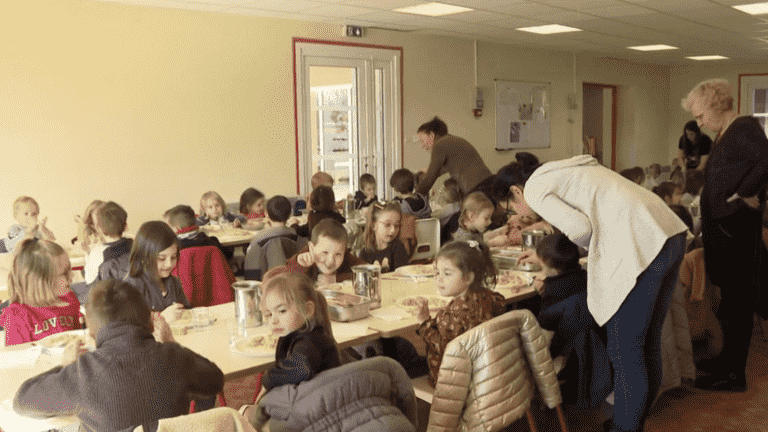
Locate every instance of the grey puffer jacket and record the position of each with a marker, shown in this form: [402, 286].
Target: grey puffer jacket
[371, 395]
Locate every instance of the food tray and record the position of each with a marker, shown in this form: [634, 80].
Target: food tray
[504, 262]
[357, 308]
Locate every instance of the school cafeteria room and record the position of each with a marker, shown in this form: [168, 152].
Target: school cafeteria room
[130, 127]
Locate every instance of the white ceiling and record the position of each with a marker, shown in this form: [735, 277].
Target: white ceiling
[697, 27]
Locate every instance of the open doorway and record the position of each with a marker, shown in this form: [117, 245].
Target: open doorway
[599, 122]
[348, 113]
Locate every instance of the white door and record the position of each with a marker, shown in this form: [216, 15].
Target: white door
[348, 115]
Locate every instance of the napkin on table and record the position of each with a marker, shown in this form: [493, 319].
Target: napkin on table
[20, 358]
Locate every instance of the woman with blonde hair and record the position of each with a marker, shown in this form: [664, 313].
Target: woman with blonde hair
[732, 202]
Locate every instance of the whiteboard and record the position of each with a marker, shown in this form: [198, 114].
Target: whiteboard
[522, 115]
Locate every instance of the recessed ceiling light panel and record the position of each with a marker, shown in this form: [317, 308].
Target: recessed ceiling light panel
[652, 47]
[753, 8]
[433, 9]
[549, 29]
[708, 57]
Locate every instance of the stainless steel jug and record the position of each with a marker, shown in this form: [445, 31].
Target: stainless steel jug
[532, 238]
[247, 304]
[365, 280]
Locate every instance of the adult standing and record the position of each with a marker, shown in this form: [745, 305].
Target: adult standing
[453, 155]
[694, 146]
[731, 210]
[635, 244]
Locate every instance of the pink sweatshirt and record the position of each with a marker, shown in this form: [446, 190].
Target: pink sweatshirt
[23, 323]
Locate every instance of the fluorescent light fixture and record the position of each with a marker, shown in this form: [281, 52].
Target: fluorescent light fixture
[753, 8]
[708, 57]
[652, 47]
[549, 29]
[433, 9]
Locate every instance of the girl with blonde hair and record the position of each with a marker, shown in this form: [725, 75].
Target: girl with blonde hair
[41, 301]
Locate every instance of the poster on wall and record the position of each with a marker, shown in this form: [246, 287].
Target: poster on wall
[522, 115]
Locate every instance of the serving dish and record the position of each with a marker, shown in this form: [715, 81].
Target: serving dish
[345, 307]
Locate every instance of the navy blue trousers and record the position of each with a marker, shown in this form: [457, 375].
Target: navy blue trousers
[634, 337]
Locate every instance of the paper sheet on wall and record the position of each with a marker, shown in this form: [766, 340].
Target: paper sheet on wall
[522, 115]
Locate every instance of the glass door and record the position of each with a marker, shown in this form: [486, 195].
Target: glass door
[347, 115]
[334, 112]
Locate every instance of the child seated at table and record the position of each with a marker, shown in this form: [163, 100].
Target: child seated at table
[25, 212]
[576, 334]
[252, 205]
[87, 236]
[298, 315]
[367, 193]
[41, 302]
[213, 211]
[382, 244]
[154, 254]
[278, 213]
[450, 197]
[323, 204]
[413, 203]
[669, 192]
[326, 259]
[182, 220]
[130, 379]
[476, 212]
[652, 179]
[461, 269]
[103, 261]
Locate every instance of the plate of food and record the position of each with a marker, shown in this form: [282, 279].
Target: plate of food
[435, 302]
[338, 286]
[259, 345]
[416, 270]
[56, 343]
[512, 280]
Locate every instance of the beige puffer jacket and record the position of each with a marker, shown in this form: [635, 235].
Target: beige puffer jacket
[487, 375]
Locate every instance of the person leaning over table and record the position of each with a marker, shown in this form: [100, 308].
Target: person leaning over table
[636, 244]
[732, 202]
[453, 155]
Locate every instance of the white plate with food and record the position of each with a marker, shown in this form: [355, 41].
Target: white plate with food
[435, 302]
[512, 280]
[338, 286]
[56, 343]
[259, 345]
[416, 270]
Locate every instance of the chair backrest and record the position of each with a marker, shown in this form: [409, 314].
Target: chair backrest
[427, 239]
[270, 252]
[205, 276]
[371, 394]
[488, 374]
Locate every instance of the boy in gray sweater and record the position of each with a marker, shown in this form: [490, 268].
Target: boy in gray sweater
[130, 379]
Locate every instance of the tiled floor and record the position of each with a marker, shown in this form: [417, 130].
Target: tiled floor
[679, 410]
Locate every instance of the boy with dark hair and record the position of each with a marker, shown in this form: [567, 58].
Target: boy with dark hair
[262, 253]
[182, 220]
[103, 261]
[367, 193]
[411, 203]
[130, 379]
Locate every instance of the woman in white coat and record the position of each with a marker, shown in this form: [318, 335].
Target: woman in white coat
[635, 243]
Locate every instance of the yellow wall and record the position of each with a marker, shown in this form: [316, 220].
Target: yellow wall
[152, 107]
